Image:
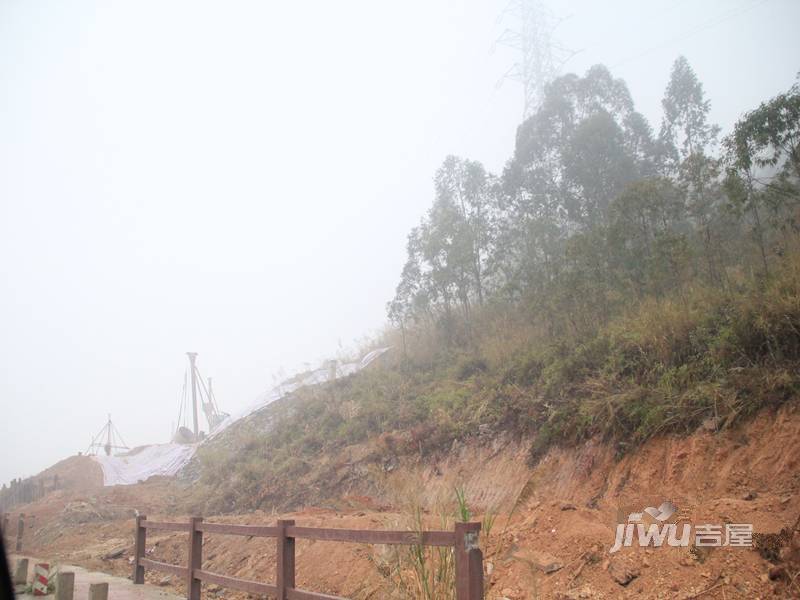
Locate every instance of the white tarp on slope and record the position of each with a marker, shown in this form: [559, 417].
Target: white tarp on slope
[168, 459]
[159, 459]
[312, 378]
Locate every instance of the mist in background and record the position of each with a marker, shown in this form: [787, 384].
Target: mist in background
[238, 179]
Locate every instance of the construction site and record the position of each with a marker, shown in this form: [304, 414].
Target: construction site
[493, 300]
[89, 507]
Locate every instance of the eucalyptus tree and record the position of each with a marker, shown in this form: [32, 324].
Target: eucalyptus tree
[687, 142]
[763, 165]
[449, 251]
[572, 158]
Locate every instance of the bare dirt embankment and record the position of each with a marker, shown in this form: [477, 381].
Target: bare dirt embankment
[75, 472]
[550, 539]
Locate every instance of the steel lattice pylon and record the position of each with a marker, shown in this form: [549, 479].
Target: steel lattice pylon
[541, 57]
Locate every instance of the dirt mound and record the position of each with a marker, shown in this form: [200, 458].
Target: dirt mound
[75, 472]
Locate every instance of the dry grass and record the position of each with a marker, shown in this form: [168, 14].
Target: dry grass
[427, 573]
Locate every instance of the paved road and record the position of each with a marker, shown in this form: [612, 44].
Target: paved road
[118, 588]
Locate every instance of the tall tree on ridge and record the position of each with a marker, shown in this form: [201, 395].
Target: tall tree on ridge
[686, 141]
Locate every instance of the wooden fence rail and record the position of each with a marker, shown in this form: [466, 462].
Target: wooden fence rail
[463, 539]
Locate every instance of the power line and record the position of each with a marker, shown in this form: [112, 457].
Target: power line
[707, 24]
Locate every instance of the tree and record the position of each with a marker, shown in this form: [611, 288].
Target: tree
[449, 250]
[580, 149]
[464, 184]
[647, 237]
[591, 211]
[685, 144]
[685, 129]
[572, 158]
[597, 166]
[763, 165]
[764, 147]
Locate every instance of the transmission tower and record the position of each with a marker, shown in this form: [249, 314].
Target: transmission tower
[540, 56]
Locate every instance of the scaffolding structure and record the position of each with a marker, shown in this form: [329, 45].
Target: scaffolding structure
[108, 439]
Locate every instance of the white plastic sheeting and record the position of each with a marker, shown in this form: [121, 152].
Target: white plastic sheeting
[141, 464]
[168, 459]
[313, 378]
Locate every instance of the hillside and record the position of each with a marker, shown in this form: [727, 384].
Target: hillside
[711, 361]
[608, 326]
[552, 524]
[550, 447]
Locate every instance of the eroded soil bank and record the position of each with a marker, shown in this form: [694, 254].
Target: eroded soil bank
[551, 536]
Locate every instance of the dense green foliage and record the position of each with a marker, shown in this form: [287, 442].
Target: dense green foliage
[611, 283]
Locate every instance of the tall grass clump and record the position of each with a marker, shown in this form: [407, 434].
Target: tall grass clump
[427, 573]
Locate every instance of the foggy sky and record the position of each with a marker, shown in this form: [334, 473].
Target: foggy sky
[238, 178]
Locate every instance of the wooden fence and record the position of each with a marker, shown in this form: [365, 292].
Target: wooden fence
[463, 539]
[5, 530]
[23, 491]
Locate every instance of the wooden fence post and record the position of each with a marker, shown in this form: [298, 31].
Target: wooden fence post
[140, 539]
[21, 572]
[468, 562]
[285, 567]
[193, 585]
[475, 562]
[98, 591]
[65, 585]
[20, 530]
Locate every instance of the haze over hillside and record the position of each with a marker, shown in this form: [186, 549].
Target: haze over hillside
[423, 301]
[241, 182]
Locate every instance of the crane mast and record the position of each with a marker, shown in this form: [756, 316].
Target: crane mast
[201, 396]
